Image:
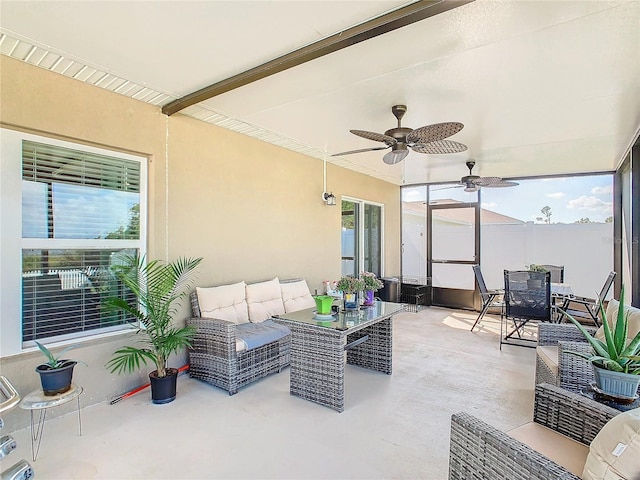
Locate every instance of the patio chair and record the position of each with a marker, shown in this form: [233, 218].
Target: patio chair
[557, 272]
[554, 363]
[587, 308]
[527, 297]
[555, 445]
[489, 297]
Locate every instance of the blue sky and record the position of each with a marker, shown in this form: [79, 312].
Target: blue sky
[570, 199]
[79, 211]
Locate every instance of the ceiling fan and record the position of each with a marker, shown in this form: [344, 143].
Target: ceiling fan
[427, 139]
[472, 183]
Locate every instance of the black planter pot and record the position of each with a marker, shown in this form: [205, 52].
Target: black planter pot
[163, 389]
[56, 380]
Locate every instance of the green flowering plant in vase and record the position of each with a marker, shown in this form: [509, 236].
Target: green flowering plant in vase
[370, 281]
[350, 284]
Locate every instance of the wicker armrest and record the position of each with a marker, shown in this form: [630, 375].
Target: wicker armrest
[213, 337]
[478, 450]
[571, 414]
[551, 333]
[574, 372]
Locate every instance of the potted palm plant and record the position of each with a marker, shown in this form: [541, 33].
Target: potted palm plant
[56, 374]
[370, 285]
[616, 361]
[159, 287]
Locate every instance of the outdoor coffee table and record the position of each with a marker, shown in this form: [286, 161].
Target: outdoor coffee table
[319, 342]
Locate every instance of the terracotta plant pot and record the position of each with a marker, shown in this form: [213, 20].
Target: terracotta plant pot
[56, 380]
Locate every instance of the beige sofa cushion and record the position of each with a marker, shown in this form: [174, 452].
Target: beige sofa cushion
[226, 302]
[264, 300]
[296, 296]
[553, 445]
[549, 355]
[612, 315]
[615, 452]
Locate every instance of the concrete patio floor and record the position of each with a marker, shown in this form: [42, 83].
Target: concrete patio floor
[393, 426]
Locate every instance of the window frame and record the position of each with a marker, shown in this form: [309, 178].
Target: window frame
[13, 243]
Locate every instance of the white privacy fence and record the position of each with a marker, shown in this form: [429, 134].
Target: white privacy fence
[585, 250]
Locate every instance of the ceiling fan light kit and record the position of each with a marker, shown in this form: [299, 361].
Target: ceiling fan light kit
[429, 139]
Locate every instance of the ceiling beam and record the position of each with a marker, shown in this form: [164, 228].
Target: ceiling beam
[386, 23]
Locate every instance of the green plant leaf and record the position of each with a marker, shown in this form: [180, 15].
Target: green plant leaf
[622, 325]
[597, 345]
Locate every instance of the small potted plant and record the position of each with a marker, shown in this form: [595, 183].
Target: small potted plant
[350, 286]
[616, 361]
[57, 374]
[158, 288]
[371, 284]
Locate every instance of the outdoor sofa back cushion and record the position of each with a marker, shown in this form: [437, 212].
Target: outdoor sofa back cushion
[226, 302]
[264, 300]
[615, 452]
[612, 315]
[296, 296]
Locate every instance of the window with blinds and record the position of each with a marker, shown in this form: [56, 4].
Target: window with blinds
[80, 216]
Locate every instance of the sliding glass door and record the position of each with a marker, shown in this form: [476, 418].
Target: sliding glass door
[362, 226]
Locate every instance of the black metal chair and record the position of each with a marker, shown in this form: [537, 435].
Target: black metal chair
[488, 296]
[587, 308]
[557, 272]
[527, 297]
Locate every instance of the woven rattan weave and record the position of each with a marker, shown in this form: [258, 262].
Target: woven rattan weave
[574, 373]
[214, 359]
[318, 350]
[480, 451]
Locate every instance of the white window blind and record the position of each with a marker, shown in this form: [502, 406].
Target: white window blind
[80, 215]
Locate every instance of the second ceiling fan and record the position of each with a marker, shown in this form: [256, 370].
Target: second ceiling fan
[472, 183]
[427, 139]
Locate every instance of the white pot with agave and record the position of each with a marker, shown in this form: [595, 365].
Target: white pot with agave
[616, 361]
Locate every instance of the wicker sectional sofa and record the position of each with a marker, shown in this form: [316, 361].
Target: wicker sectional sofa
[236, 342]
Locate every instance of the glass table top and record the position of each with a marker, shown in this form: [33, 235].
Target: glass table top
[344, 320]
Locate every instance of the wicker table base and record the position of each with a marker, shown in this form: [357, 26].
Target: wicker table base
[318, 350]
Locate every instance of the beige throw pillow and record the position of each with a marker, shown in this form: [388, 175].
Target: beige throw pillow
[615, 452]
[226, 302]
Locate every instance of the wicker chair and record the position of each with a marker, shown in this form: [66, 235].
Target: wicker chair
[214, 359]
[480, 451]
[554, 341]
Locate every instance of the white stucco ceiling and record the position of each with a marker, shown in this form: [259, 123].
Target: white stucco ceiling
[542, 87]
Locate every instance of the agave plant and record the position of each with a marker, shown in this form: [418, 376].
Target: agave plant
[158, 287]
[56, 361]
[613, 354]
